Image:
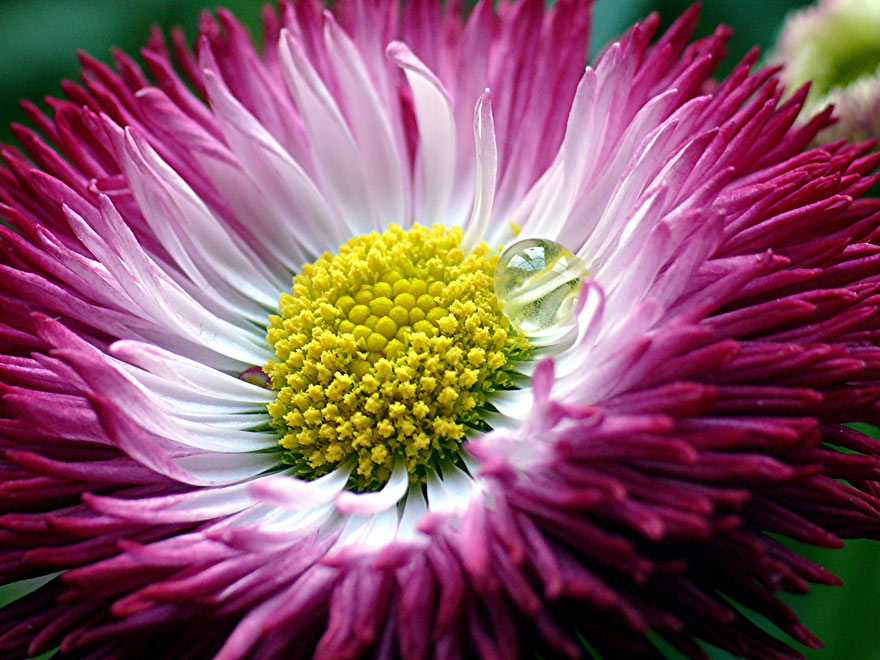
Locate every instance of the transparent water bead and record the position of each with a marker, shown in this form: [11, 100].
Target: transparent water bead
[537, 281]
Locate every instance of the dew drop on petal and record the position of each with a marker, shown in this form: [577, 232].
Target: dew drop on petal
[537, 281]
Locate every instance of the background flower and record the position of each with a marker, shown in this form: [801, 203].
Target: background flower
[488, 448]
[835, 45]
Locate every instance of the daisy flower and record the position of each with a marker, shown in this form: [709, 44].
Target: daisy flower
[408, 336]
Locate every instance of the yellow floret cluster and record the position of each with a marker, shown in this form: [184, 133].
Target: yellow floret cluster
[386, 352]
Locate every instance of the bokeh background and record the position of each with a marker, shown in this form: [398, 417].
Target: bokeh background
[38, 44]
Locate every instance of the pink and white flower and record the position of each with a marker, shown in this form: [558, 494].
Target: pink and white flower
[728, 332]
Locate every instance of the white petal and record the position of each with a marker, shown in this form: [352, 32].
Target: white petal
[450, 493]
[192, 374]
[282, 181]
[383, 149]
[228, 468]
[296, 494]
[341, 169]
[487, 173]
[196, 239]
[366, 503]
[436, 157]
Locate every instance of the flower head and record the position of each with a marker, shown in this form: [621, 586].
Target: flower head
[835, 44]
[327, 351]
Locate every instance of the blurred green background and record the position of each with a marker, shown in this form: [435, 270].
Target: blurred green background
[38, 44]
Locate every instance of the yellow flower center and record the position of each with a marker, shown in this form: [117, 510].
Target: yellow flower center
[387, 352]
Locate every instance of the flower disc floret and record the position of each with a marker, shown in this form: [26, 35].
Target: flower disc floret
[387, 352]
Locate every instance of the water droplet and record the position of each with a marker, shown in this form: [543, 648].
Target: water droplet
[538, 280]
